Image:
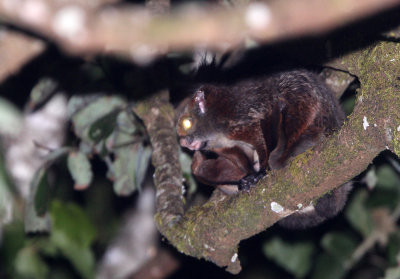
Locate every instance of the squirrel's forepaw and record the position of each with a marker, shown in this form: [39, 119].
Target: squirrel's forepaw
[250, 180]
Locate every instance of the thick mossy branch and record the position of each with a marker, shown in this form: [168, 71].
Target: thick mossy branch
[378, 69]
[214, 230]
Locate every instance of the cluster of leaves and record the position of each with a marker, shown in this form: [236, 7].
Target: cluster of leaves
[106, 128]
[71, 238]
[370, 217]
[108, 133]
[10, 124]
[7, 192]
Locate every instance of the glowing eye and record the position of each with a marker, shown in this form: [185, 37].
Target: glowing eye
[187, 124]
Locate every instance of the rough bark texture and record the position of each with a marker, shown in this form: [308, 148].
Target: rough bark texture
[214, 230]
[337, 81]
[158, 116]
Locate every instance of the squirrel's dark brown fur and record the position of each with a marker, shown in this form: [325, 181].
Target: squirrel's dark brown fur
[240, 130]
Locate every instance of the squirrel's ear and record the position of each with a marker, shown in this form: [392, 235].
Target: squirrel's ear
[200, 101]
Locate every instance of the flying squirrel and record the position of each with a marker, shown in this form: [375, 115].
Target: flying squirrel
[240, 130]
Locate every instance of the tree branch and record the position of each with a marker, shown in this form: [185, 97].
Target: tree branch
[214, 230]
[158, 117]
[16, 50]
[82, 28]
[337, 81]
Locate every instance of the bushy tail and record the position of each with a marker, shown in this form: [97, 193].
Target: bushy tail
[327, 207]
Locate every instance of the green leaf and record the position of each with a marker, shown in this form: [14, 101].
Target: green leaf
[82, 258]
[85, 148]
[37, 202]
[358, 214]
[123, 186]
[127, 126]
[73, 234]
[387, 191]
[122, 139]
[126, 122]
[35, 223]
[387, 178]
[383, 198]
[393, 248]
[6, 204]
[328, 267]
[86, 117]
[55, 155]
[44, 245]
[339, 245]
[11, 121]
[295, 258]
[101, 148]
[142, 163]
[392, 273]
[6, 195]
[77, 103]
[72, 221]
[80, 169]
[13, 240]
[30, 265]
[42, 196]
[40, 181]
[103, 127]
[130, 167]
[41, 91]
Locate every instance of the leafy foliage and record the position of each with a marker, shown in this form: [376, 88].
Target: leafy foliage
[10, 118]
[357, 213]
[296, 258]
[339, 245]
[72, 234]
[106, 129]
[329, 267]
[36, 216]
[392, 273]
[30, 265]
[72, 237]
[109, 129]
[41, 92]
[6, 194]
[80, 169]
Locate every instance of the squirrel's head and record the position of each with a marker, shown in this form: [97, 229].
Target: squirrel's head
[193, 125]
